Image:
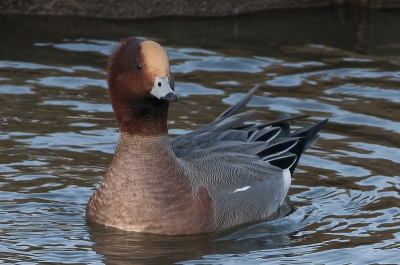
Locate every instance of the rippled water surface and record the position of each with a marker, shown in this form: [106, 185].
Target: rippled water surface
[57, 133]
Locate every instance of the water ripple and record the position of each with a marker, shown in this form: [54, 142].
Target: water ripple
[57, 134]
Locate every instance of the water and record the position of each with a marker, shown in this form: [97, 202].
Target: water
[57, 133]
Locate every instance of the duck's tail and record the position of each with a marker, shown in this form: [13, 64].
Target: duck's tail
[285, 148]
[306, 137]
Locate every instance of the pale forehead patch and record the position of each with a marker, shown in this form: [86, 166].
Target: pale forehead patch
[155, 58]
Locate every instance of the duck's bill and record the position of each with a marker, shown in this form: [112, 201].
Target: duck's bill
[162, 90]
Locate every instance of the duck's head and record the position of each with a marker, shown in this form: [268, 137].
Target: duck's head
[140, 85]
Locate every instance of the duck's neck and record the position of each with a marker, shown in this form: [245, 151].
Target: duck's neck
[146, 117]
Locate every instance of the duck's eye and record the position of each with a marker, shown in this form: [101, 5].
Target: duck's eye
[138, 66]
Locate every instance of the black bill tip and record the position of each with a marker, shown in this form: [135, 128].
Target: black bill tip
[170, 97]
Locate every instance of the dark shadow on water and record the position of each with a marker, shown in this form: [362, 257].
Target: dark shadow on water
[258, 32]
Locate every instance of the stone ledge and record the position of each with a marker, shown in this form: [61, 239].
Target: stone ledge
[132, 9]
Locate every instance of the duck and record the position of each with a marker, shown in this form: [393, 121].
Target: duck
[226, 173]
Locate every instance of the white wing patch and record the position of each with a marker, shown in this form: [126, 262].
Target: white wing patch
[242, 189]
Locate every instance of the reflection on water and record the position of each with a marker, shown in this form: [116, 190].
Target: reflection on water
[58, 133]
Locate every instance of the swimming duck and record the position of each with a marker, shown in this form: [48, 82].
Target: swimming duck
[224, 174]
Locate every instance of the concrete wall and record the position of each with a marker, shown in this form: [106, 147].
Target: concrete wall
[130, 9]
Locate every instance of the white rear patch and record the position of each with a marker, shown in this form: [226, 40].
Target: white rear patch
[242, 189]
[287, 179]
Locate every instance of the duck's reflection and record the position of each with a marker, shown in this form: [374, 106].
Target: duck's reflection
[121, 247]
